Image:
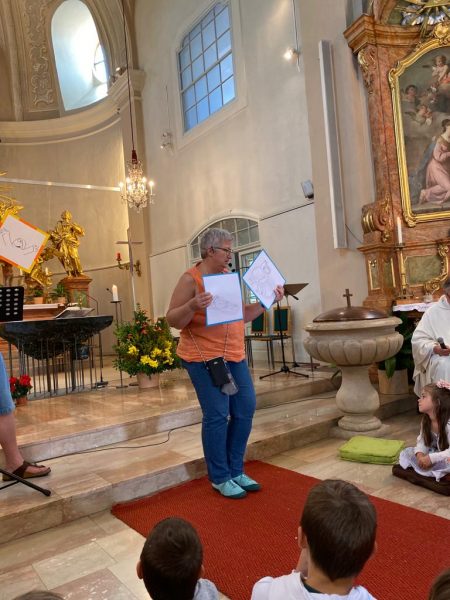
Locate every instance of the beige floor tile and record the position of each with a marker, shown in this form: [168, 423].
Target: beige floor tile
[101, 585]
[18, 581]
[73, 564]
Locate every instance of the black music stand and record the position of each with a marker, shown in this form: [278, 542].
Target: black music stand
[289, 289]
[11, 309]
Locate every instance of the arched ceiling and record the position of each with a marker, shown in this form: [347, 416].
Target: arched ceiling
[29, 89]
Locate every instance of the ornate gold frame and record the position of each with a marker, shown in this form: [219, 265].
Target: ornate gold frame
[440, 37]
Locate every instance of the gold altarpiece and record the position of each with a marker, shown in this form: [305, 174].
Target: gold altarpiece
[403, 266]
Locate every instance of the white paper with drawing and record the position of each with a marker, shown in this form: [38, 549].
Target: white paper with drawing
[20, 242]
[226, 306]
[262, 277]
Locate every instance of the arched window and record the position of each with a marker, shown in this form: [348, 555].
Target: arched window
[246, 246]
[79, 57]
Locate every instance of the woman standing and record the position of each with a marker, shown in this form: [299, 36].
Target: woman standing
[227, 419]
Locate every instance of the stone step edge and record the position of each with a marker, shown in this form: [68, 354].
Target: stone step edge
[98, 437]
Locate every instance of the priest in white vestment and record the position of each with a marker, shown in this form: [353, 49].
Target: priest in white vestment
[431, 362]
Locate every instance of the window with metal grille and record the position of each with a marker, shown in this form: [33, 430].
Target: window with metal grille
[205, 64]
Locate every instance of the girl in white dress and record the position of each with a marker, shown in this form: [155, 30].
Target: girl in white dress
[431, 455]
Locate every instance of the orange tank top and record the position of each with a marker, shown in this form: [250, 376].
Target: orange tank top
[210, 340]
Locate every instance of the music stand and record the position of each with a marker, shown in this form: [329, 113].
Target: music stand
[11, 309]
[290, 289]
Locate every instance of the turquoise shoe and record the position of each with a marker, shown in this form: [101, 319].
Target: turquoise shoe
[247, 483]
[230, 489]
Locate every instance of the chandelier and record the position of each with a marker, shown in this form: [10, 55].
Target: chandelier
[134, 191]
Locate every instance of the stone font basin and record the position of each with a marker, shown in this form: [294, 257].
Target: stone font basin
[353, 338]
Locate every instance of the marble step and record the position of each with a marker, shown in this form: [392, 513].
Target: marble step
[89, 482]
[117, 415]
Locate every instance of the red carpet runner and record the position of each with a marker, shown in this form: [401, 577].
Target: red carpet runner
[247, 539]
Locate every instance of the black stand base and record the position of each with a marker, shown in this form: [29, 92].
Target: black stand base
[284, 369]
[18, 479]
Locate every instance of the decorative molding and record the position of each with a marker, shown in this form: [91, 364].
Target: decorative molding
[434, 284]
[85, 122]
[378, 217]
[41, 80]
[366, 60]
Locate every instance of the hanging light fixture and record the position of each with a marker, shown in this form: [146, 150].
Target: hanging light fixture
[134, 191]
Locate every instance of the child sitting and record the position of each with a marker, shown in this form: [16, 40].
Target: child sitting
[336, 536]
[172, 561]
[429, 457]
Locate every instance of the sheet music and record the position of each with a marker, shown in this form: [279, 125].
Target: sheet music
[262, 277]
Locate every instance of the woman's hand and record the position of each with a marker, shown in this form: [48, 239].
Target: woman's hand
[200, 301]
[279, 293]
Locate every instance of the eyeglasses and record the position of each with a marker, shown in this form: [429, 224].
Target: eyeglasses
[228, 251]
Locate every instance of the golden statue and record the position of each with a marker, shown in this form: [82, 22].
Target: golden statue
[38, 274]
[65, 241]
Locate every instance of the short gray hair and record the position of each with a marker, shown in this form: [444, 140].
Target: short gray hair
[213, 237]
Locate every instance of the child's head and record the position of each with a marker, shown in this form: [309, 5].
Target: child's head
[440, 60]
[171, 560]
[339, 523]
[440, 590]
[435, 401]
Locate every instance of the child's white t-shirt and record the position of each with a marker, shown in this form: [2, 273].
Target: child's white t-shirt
[290, 587]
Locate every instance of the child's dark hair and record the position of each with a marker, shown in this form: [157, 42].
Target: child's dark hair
[340, 525]
[171, 560]
[440, 590]
[440, 397]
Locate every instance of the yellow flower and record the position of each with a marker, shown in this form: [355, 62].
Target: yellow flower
[156, 352]
[146, 360]
[133, 350]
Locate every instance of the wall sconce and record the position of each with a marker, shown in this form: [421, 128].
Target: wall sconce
[126, 266]
[166, 141]
[291, 54]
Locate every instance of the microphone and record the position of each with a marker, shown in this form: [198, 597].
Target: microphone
[441, 343]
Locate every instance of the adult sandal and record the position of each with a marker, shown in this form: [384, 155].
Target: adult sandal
[22, 471]
[230, 489]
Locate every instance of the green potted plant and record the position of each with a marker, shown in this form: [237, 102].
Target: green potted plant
[395, 373]
[38, 295]
[145, 348]
[59, 294]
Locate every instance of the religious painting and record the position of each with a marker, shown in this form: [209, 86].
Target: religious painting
[421, 100]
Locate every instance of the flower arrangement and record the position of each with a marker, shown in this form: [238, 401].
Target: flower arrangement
[144, 346]
[20, 386]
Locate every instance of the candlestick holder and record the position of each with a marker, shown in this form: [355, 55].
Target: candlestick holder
[118, 311]
[405, 292]
[126, 266]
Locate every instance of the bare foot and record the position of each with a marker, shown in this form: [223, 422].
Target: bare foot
[28, 470]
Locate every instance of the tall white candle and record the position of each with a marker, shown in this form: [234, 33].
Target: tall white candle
[399, 231]
[115, 294]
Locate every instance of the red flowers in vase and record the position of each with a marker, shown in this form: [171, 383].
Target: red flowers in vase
[20, 386]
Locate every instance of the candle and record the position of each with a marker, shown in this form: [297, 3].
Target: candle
[115, 294]
[118, 257]
[399, 231]
[151, 184]
[46, 270]
[20, 272]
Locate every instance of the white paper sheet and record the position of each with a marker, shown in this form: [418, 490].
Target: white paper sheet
[262, 277]
[20, 243]
[226, 306]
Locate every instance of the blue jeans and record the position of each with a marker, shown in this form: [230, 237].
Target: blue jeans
[227, 420]
[6, 402]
